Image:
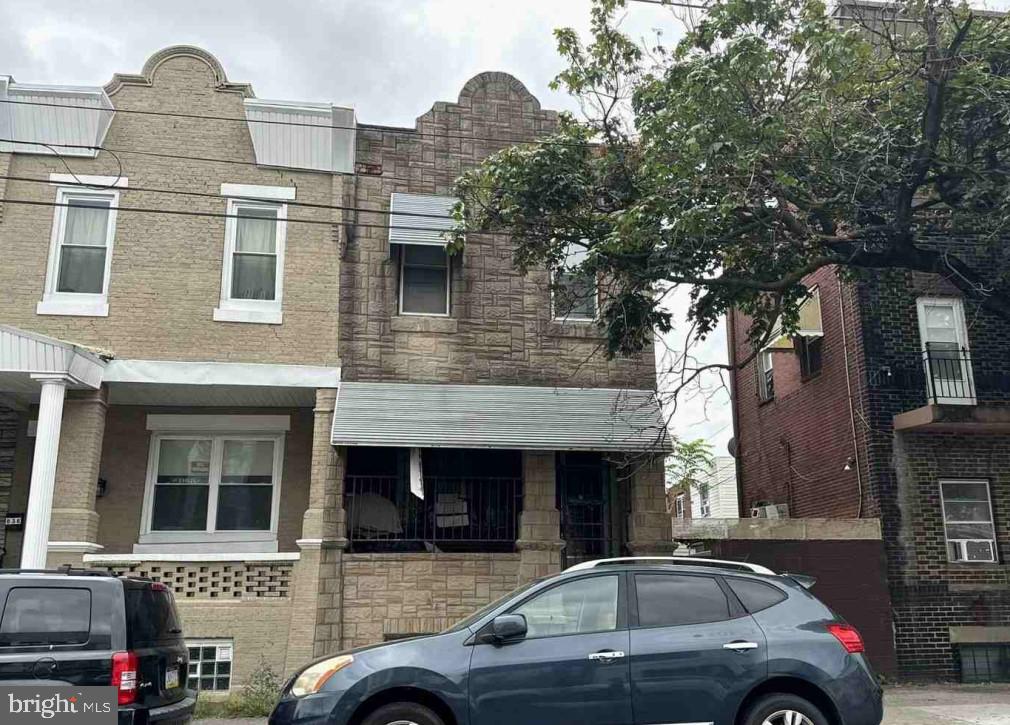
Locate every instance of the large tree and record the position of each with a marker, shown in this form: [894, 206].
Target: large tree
[771, 140]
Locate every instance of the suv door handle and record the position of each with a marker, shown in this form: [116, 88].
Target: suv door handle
[740, 646]
[606, 656]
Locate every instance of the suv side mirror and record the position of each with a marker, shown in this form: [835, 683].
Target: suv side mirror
[508, 628]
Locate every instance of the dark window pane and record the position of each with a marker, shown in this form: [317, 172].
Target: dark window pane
[253, 277]
[221, 683]
[224, 668]
[244, 508]
[424, 290]
[208, 653]
[425, 255]
[671, 599]
[575, 296]
[584, 605]
[754, 595]
[46, 616]
[206, 683]
[180, 508]
[82, 270]
[152, 616]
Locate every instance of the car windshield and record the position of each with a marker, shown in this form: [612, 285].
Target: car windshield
[480, 613]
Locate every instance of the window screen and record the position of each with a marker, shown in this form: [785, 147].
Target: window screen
[424, 280]
[755, 596]
[666, 600]
[45, 616]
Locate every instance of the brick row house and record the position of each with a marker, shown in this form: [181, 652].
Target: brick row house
[892, 402]
[275, 390]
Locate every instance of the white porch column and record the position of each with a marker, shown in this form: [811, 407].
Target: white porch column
[34, 548]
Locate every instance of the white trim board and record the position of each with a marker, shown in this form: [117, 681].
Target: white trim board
[216, 556]
[253, 191]
[171, 372]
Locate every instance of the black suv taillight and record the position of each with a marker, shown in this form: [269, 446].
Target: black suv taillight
[124, 676]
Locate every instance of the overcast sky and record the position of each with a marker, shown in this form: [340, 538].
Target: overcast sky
[389, 59]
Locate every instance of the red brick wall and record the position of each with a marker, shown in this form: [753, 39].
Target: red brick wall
[851, 579]
[793, 448]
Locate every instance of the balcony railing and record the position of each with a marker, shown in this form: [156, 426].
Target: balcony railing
[943, 371]
[456, 514]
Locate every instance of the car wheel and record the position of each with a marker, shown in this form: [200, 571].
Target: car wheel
[403, 713]
[782, 709]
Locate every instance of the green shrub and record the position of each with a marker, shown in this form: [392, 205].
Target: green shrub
[256, 699]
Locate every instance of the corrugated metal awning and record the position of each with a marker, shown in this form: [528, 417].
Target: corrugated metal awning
[498, 416]
[435, 218]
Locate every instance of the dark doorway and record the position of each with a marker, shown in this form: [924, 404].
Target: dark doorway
[592, 508]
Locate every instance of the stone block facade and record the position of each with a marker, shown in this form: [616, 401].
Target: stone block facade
[340, 312]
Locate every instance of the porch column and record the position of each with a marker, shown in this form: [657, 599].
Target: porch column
[539, 541]
[318, 597]
[73, 531]
[650, 529]
[43, 482]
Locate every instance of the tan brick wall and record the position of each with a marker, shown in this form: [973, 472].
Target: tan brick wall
[124, 466]
[500, 329]
[418, 593]
[166, 270]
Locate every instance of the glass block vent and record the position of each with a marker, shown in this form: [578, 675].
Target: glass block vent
[210, 664]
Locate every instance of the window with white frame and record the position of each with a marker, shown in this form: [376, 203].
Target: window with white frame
[252, 279]
[424, 280]
[967, 521]
[575, 293]
[212, 487]
[210, 664]
[766, 375]
[80, 255]
[943, 332]
[704, 501]
[678, 505]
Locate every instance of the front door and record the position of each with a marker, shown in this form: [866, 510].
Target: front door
[570, 669]
[695, 653]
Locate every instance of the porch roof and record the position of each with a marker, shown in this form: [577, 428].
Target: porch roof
[27, 354]
[498, 416]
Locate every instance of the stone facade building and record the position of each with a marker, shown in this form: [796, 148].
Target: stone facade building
[236, 357]
[892, 404]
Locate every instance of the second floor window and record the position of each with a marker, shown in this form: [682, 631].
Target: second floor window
[678, 506]
[252, 277]
[575, 293]
[424, 280]
[81, 254]
[766, 375]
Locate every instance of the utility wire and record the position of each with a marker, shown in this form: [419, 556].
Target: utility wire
[209, 195]
[221, 215]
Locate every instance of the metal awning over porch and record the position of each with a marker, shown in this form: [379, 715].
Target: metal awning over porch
[498, 416]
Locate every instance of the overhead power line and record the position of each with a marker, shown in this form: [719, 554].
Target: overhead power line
[210, 195]
[222, 215]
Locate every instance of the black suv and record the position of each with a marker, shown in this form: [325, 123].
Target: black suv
[83, 627]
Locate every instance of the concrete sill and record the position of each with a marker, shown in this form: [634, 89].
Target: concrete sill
[964, 418]
[410, 323]
[584, 330]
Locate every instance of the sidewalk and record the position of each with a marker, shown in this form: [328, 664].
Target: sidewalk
[929, 705]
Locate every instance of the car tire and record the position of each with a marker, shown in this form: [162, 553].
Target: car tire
[784, 709]
[402, 713]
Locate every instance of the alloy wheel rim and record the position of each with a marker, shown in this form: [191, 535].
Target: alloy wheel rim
[787, 717]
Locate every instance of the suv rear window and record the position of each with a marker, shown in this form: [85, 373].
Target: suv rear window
[755, 596]
[150, 615]
[45, 616]
[666, 600]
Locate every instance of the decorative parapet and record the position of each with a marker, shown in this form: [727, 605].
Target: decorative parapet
[779, 529]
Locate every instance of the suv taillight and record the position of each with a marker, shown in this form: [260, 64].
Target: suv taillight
[849, 636]
[124, 676]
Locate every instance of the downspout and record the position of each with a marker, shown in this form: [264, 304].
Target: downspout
[731, 344]
[848, 388]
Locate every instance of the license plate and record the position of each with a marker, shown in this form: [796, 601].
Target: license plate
[171, 678]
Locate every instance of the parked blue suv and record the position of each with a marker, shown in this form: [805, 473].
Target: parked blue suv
[611, 642]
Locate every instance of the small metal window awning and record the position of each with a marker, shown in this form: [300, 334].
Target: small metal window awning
[810, 325]
[498, 416]
[429, 227]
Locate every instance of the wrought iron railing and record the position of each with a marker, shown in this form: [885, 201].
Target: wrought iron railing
[943, 371]
[458, 513]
